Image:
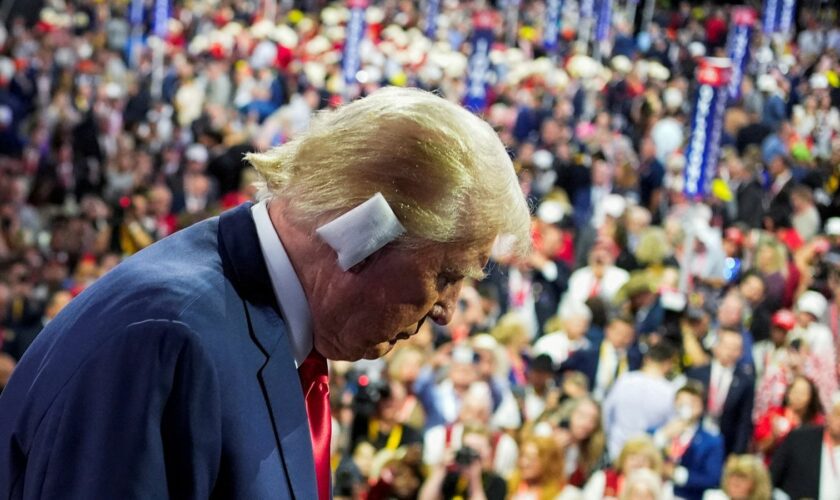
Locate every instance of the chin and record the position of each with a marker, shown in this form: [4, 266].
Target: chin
[378, 350]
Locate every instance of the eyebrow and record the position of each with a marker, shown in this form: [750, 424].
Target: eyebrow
[469, 271]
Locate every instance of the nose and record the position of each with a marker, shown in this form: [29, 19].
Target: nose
[444, 308]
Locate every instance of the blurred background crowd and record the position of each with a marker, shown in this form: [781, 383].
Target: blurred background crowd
[652, 345]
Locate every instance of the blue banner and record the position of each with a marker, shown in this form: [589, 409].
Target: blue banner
[769, 19]
[786, 14]
[135, 39]
[478, 70]
[738, 50]
[602, 28]
[351, 63]
[704, 142]
[432, 11]
[551, 29]
[511, 19]
[161, 26]
[587, 9]
[135, 14]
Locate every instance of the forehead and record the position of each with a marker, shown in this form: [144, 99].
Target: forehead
[688, 397]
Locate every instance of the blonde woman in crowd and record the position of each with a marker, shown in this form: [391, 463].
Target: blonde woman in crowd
[744, 478]
[643, 484]
[639, 453]
[540, 472]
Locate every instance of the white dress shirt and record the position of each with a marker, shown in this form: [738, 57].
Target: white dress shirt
[830, 473]
[608, 364]
[284, 280]
[720, 380]
[582, 283]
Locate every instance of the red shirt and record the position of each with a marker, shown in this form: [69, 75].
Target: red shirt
[784, 422]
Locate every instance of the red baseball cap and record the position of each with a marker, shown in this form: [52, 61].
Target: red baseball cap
[784, 319]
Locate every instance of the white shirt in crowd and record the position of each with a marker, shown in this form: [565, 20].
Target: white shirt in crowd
[719, 383]
[435, 447]
[582, 283]
[626, 418]
[608, 360]
[830, 473]
[558, 346]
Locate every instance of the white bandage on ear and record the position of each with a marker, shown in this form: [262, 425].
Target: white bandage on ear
[357, 234]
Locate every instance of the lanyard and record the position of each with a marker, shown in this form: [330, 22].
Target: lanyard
[394, 437]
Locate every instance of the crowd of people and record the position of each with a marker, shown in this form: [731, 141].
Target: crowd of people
[651, 346]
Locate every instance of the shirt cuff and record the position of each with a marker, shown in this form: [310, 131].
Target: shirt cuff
[660, 440]
[680, 476]
[549, 270]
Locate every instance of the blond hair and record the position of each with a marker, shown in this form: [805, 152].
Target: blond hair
[443, 170]
[511, 329]
[751, 467]
[553, 462]
[640, 445]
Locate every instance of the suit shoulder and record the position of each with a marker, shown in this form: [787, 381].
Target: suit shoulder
[162, 280]
[698, 372]
[109, 364]
[806, 432]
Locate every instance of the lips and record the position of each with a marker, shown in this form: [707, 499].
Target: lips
[406, 335]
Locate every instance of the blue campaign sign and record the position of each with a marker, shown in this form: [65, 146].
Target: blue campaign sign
[135, 40]
[351, 62]
[551, 29]
[160, 27]
[787, 11]
[769, 19]
[602, 28]
[432, 11]
[738, 48]
[703, 149]
[478, 70]
[587, 9]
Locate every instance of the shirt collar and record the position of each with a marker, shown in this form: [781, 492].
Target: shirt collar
[722, 369]
[286, 284]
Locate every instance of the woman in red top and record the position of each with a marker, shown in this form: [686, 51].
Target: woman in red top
[801, 405]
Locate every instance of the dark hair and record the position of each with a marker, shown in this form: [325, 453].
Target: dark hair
[752, 273]
[694, 388]
[814, 406]
[661, 351]
[623, 317]
[733, 331]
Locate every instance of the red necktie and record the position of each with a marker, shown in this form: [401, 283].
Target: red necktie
[314, 378]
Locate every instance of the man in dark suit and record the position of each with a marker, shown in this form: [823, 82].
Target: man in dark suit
[806, 463]
[603, 363]
[197, 367]
[731, 390]
[749, 195]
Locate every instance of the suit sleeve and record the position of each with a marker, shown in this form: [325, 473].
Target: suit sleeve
[745, 427]
[707, 475]
[780, 461]
[140, 418]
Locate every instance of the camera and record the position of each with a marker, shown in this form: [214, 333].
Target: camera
[368, 394]
[466, 456]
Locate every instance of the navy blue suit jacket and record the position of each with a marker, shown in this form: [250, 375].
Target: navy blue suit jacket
[704, 461]
[586, 361]
[736, 418]
[171, 376]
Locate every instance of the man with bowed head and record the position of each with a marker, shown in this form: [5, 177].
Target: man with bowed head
[197, 367]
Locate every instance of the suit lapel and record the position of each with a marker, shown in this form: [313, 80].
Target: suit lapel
[244, 265]
[734, 392]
